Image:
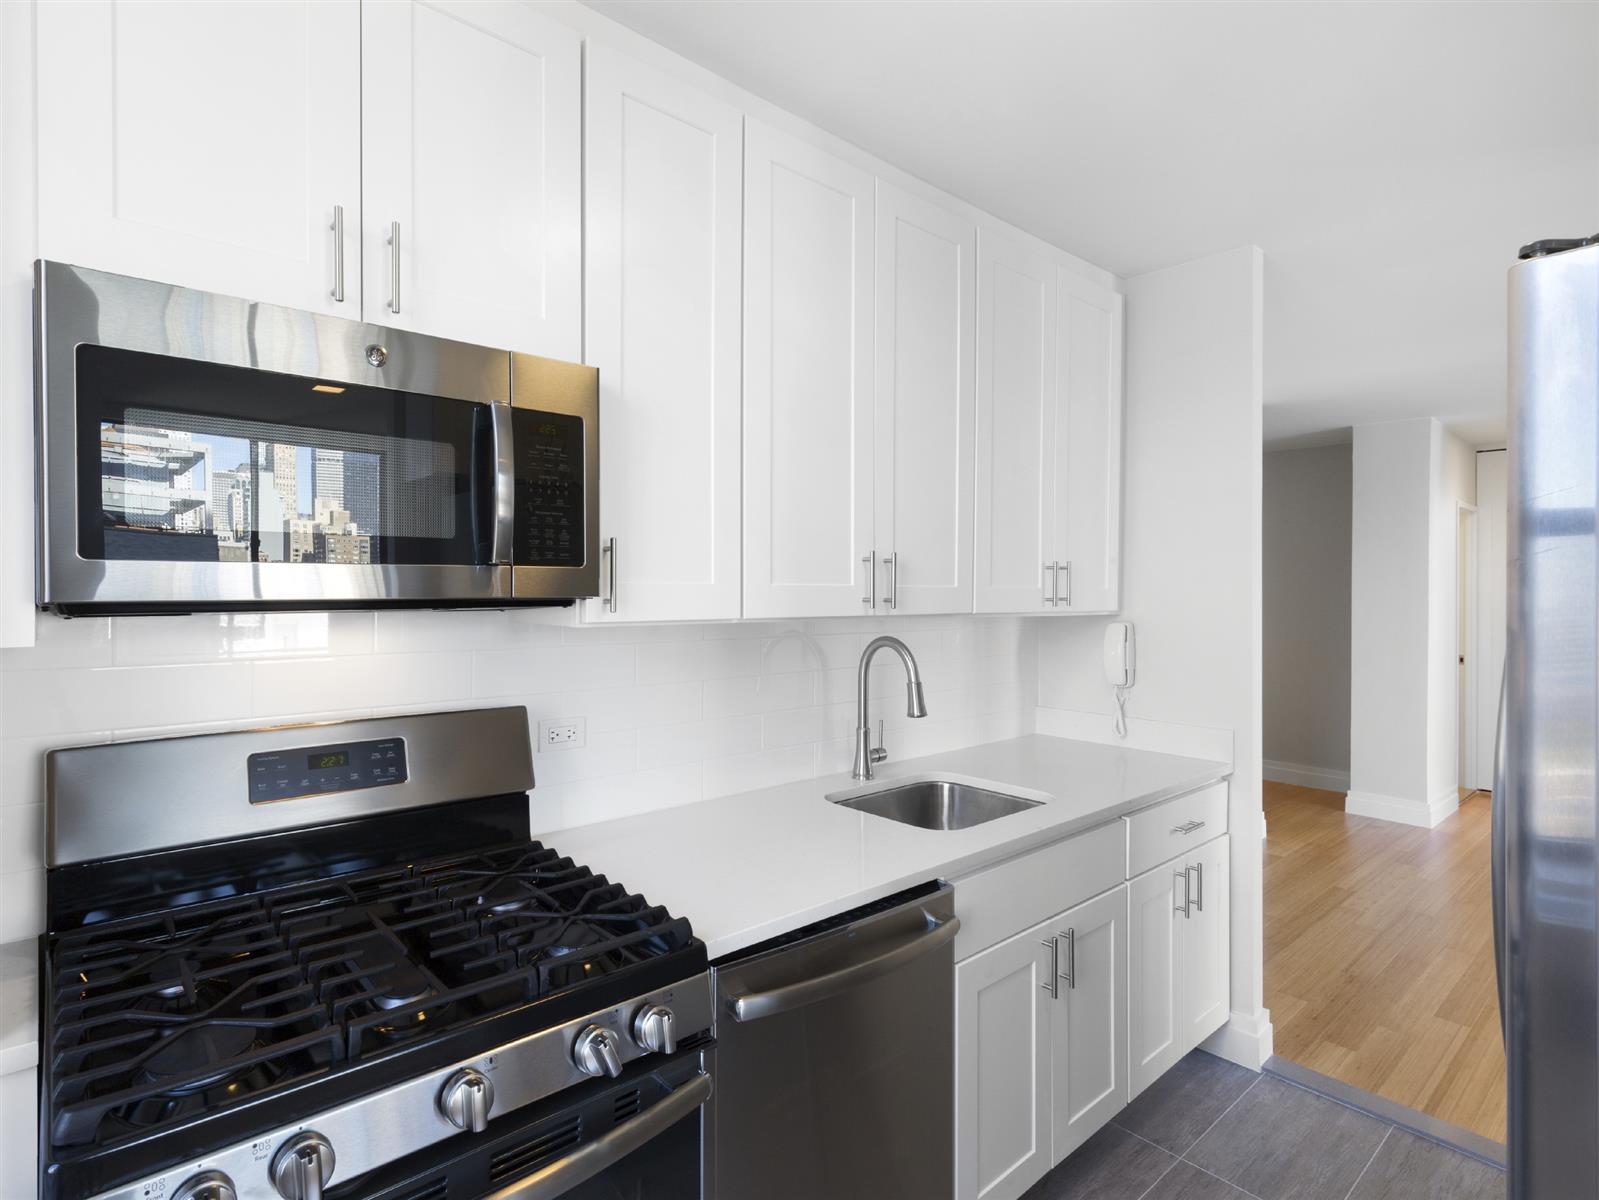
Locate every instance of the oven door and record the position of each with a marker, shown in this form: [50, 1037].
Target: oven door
[638, 1137]
[202, 452]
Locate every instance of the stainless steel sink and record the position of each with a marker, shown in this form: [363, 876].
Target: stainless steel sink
[937, 804]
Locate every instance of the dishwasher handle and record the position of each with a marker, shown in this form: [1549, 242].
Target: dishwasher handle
[752, 1006]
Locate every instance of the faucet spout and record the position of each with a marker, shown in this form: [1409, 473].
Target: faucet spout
[867, 754]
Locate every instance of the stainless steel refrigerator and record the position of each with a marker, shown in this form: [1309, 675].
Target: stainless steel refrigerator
[1546, 843]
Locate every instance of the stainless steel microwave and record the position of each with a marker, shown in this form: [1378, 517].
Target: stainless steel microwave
[203, 453]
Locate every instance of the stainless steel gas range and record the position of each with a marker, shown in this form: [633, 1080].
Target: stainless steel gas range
[327, 960]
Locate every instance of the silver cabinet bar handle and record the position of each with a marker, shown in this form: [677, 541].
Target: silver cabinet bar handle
[1187, 899]
[564, 1174]
[870, 599]
[394, 266]
[1053, 986]
[338, 253]
[1054, 591]
[1068, 600]
[1049, 585]
[1199, 885]
[1071, 957]
[608, 551]
[892, 561]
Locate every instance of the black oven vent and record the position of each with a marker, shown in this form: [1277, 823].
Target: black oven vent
[626, 1107]
[524, 1157]
[433, 1189]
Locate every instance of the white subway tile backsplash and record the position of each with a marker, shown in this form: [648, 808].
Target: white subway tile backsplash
[673, 713]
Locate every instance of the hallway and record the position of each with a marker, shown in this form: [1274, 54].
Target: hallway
[1379, 954]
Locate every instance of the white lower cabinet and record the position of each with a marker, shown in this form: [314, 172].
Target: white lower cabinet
[1040, 1046]
[1178, 959]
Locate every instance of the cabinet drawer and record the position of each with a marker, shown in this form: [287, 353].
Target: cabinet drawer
[1001, 901]
[1169, 829]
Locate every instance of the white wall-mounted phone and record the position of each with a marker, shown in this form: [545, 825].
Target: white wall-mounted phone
[1119, 656]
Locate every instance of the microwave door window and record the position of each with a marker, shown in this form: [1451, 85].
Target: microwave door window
[181, 461]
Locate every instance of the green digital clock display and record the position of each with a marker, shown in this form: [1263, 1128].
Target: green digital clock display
[326, 760]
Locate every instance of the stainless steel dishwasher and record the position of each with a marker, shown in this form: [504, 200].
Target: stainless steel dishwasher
[835, 1059]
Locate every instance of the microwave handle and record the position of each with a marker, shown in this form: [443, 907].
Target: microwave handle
[504, 485]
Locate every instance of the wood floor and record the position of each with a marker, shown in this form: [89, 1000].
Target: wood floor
[1379, 954]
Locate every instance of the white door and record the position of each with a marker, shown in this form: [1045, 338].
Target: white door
[208, 145]
[472, 149]
[1016, 390]
[1087, 450]
[807, 379]
[1088, 1031]
[1207, 987]
[1155, 1024]
[1002, 1080]
[662, 198]
[924, 399]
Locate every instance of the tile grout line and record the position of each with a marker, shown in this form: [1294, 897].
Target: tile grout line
[1184, 1155]
[1182, 1158]
[1170, 1167]
[1387, 1133]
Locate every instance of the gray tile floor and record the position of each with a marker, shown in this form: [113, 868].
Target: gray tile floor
[1210, 1130]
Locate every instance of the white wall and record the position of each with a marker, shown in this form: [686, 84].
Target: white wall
[1493, 579]
[1191, 581]
[1305, 560]
[674, 713]
[1409, 479]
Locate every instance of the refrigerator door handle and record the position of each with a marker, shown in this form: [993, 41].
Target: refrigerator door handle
[1496, 854]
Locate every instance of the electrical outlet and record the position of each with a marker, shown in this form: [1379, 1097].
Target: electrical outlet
[561, 733]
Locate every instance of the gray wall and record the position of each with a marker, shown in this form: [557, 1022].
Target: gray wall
[1306, 548]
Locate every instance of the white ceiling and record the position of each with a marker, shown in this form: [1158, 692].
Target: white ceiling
[1388, 157]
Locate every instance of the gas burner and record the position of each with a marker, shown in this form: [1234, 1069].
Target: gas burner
[506, 894]
[181, 1065]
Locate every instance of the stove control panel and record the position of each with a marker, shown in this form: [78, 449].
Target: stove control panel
[318, 770]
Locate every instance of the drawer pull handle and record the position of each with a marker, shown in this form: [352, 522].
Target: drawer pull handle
[1187, 827]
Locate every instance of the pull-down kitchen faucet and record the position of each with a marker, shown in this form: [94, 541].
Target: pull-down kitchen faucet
[865, 753]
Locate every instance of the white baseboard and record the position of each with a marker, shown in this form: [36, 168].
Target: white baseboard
[1304, 775]
[1420, 813]
[1164, 737]
[1245, 1039]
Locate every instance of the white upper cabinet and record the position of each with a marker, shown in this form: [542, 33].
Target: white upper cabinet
[662, 216]
[808, 264]
[471, 153]
[1017, 292]
[205, 145]
[1049, 434]
[1087, 451]
[925, 403]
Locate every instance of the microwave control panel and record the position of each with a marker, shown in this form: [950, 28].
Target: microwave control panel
[316, 770]
[549, 489]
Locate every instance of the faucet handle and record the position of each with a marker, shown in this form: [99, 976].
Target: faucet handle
[879, 752]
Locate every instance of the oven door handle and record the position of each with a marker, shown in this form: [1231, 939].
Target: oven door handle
[752, 1006]
[564, 1174]
[504, 485]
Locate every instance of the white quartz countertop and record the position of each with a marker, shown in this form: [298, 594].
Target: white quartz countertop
[19, 1005]
[752, 866]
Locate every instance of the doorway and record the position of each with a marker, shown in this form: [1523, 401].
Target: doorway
[1466, 650]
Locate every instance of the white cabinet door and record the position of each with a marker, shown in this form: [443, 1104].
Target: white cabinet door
[1088, 1034]
[1207, 986]
[808, 265]
[1016, 402]
[204, 144]
[924, 401]
[1156, 1025]
[1002, 1068]
[472, 149]
[663, 231]
[1087, 447]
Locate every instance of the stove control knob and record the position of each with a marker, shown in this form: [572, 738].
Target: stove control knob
[595, 1052]
[655, 1029]
[466, 1099]
[302, 1166]
[208, 1185]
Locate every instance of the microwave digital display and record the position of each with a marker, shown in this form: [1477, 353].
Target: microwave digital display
[549, 489]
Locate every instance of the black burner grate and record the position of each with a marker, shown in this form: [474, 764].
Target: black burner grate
[157, 1020]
